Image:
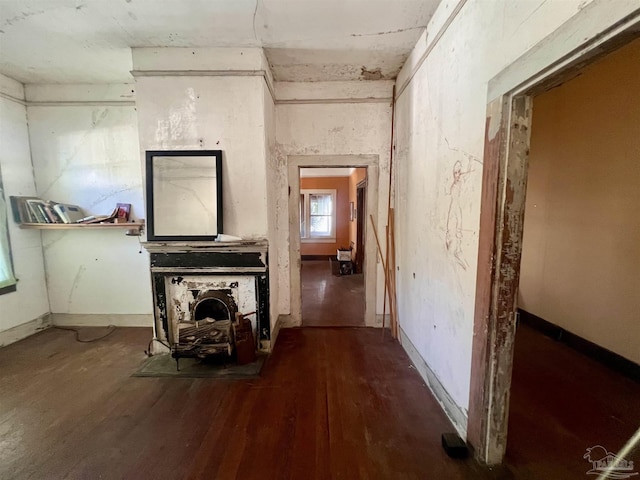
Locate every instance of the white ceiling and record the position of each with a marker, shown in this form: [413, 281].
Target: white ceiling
[315, 172]
[88, 41]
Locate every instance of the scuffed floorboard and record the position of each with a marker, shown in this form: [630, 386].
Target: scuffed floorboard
[330, 404]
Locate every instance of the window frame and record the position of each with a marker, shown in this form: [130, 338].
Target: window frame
[12, 285]
[305, 210]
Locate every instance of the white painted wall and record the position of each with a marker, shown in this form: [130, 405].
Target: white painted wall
[441, 121]
[86, 154]
[355, 119]
[217, 99]
[30, 300]
[213, 113]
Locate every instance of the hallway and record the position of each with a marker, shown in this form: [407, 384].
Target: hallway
[330, 300]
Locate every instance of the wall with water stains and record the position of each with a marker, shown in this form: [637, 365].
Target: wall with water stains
[84, 144]
[441, 109]
[331, 118]
[26, 310]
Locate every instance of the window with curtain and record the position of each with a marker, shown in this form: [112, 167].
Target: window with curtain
[318, 215]
[7, 279]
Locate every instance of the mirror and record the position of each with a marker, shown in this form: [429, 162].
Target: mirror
[184, 194]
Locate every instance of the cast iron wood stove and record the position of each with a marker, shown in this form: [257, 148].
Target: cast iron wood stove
[209, 331]
[199, 286]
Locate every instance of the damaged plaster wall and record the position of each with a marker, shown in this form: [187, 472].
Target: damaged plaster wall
[330, 118]
[217, 99]
[84, 142]
[24, 311]
[440, 136]
[213, 110]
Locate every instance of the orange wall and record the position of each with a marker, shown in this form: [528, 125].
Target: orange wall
[341, 185]
[581, 248]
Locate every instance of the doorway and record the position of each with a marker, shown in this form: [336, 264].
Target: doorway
[332, 288]
[507, 140]
[578, 323]
[361, 192]
[368, 162]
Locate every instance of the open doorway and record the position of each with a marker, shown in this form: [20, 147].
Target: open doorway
[511, 94]
[577, 340]
[332, 246]
[370, 163]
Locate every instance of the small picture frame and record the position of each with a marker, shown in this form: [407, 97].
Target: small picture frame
[123, 211]
[352, 211]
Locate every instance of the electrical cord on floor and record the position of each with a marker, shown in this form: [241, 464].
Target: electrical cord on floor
[112, 328]
[148, 353]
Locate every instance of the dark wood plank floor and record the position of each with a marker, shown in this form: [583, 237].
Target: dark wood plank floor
[563, 402]
[330, 300]
[330, 404]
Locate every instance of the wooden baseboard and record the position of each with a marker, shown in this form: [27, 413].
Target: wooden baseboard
[101, 320]
[24, 330]
[457, 415]
[611, 359]
[317, 257]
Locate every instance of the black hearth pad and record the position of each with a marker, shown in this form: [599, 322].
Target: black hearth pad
[164, 365]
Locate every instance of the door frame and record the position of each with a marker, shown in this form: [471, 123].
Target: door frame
[294, 163]
[361, 221]
[592, 33]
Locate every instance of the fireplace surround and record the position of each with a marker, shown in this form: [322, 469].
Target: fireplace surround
[198, 286]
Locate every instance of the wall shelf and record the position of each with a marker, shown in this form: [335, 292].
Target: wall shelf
[136, 227]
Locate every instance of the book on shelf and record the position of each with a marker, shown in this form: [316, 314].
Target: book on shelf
[120, 214]
[31, 210]
[21, 213]
[68, 213]
[36, 206]
[35, 210]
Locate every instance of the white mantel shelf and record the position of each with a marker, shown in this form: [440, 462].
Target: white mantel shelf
[207, 246]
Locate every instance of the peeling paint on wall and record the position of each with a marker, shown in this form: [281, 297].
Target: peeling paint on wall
[180, 124]
[374, 74]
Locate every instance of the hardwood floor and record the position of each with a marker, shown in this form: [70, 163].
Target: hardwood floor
[330, 300]
[563, 402]
[331, 403]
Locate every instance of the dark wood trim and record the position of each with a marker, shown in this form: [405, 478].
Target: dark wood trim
[263, 325]
[8, 289]
[592, 350]
[208, 259]
[317, 257]
[496, 134]
[500, 246]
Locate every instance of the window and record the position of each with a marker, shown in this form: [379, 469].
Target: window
[7, 280]
[318, 215]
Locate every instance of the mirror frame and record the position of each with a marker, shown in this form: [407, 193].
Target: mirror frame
[150, 155]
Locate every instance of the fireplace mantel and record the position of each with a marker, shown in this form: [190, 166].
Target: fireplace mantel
[210, 263]
[177, 247]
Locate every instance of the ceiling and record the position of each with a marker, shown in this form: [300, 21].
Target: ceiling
[315, 172]
[89, 41]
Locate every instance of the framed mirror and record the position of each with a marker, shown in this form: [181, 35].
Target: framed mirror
[184, 194]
